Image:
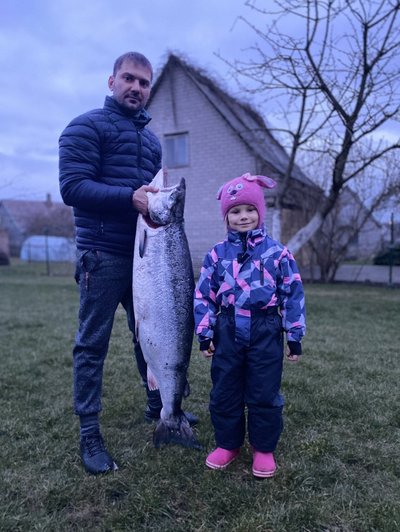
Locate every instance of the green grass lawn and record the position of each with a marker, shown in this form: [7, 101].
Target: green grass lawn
[339, 459]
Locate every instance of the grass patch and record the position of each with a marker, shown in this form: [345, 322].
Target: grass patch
[338, 457]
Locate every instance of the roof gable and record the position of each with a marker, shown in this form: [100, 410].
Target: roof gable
[241, 117]
[350, 200]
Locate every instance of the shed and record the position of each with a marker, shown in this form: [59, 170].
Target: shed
[43, 248]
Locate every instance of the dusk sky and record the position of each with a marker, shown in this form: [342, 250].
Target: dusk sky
[56, 56]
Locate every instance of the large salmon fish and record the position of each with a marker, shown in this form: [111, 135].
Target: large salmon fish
[163, 287]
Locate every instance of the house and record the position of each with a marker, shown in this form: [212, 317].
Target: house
[365, 233]
[349, 232]
[209, 137]
[20, 219]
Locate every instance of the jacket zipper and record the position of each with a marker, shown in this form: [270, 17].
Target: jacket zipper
[139, 138]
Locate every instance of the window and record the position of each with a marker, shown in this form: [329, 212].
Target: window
[176, 150]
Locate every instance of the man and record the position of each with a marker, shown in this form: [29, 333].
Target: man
[107, 159]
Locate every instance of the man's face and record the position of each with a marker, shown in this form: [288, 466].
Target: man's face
[131, 85]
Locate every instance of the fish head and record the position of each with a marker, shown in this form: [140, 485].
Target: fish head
[167, 205]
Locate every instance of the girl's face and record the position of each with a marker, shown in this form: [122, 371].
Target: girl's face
[242, 218]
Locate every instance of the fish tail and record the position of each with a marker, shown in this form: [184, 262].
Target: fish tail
[175, 433]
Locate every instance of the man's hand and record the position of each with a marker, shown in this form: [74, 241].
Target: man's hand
[209, 352]
[140, 200]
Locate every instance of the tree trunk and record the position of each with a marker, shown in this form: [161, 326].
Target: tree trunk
[305, 233]
[276, 229]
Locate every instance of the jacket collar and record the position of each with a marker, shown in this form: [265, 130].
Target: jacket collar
[253, 237]
[141, 118]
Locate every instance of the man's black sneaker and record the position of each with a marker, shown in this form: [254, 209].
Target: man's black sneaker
[151, 416]
[94, 455]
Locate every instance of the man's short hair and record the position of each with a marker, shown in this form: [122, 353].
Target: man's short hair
[135, 57]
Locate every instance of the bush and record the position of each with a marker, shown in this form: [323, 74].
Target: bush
[391, 255]
[4, 259]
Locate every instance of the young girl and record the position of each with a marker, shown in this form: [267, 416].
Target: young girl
[248, 293]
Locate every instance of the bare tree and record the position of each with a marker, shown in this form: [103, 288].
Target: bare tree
[341, 227]
[353, 214]
[336, 74]
[53, 219]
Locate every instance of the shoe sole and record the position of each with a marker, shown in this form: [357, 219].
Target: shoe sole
[263, 474]
[112, 468]
[217, 466]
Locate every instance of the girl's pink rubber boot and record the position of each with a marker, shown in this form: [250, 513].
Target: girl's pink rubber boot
[264, 465]
[221, 458]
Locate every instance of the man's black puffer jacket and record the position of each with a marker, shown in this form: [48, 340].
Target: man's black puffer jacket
[105, 155]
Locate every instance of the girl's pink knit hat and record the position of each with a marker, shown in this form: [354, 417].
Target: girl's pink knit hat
[246, 189]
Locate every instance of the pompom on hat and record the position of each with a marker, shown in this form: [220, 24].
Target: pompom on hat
[245, 190]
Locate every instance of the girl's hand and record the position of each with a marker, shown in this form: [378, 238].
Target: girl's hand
[293, 358]
[209, 352]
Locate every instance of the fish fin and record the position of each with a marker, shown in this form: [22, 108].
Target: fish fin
[158, 179]
[186, 391]
[142, 243]
[151, 380]
[175, 432]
